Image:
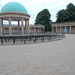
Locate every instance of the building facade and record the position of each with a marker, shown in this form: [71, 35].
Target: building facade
[64, 27]
[32, 29]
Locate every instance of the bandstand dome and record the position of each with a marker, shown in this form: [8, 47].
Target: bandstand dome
[14, 7]
[14, 11]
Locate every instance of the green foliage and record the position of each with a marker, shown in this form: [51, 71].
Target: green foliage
[67, 15]
[43, 18]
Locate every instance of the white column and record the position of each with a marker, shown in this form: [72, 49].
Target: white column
[22, 27]
[28, 26]
[1, 27]
[25, 27]
[70, 29]
[10, 26]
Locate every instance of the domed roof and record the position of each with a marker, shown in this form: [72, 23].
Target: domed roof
[14, 7]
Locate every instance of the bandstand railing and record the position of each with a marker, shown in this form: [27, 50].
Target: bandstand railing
[33, 37]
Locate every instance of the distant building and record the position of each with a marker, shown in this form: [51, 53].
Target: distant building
[32, 29]
[64, 27]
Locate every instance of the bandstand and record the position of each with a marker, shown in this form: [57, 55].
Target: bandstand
[14, 11]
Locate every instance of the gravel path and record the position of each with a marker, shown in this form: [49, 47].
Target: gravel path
[50, 58]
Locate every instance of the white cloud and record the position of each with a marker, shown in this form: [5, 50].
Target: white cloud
[35, 6]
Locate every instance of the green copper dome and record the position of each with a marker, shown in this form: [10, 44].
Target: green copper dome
[14, 7]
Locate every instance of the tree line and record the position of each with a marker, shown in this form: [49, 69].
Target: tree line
[64, 15]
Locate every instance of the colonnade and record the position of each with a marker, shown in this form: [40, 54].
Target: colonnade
[60, 27]
[26, 26]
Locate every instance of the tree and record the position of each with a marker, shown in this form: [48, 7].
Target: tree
[61, 16]
[70, 8]
[71, 11]
[43, 18]
[67, 15]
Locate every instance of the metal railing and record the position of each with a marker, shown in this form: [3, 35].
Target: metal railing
[34, 37]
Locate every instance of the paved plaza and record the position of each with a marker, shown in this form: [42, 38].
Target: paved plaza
[48, 58]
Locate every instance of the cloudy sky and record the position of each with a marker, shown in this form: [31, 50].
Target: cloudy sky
[35, 6]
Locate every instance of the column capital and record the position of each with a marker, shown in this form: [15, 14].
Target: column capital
[26, 20]
[22, 18]
[9, 18]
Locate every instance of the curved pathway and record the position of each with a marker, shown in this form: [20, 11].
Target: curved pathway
[50, 58]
